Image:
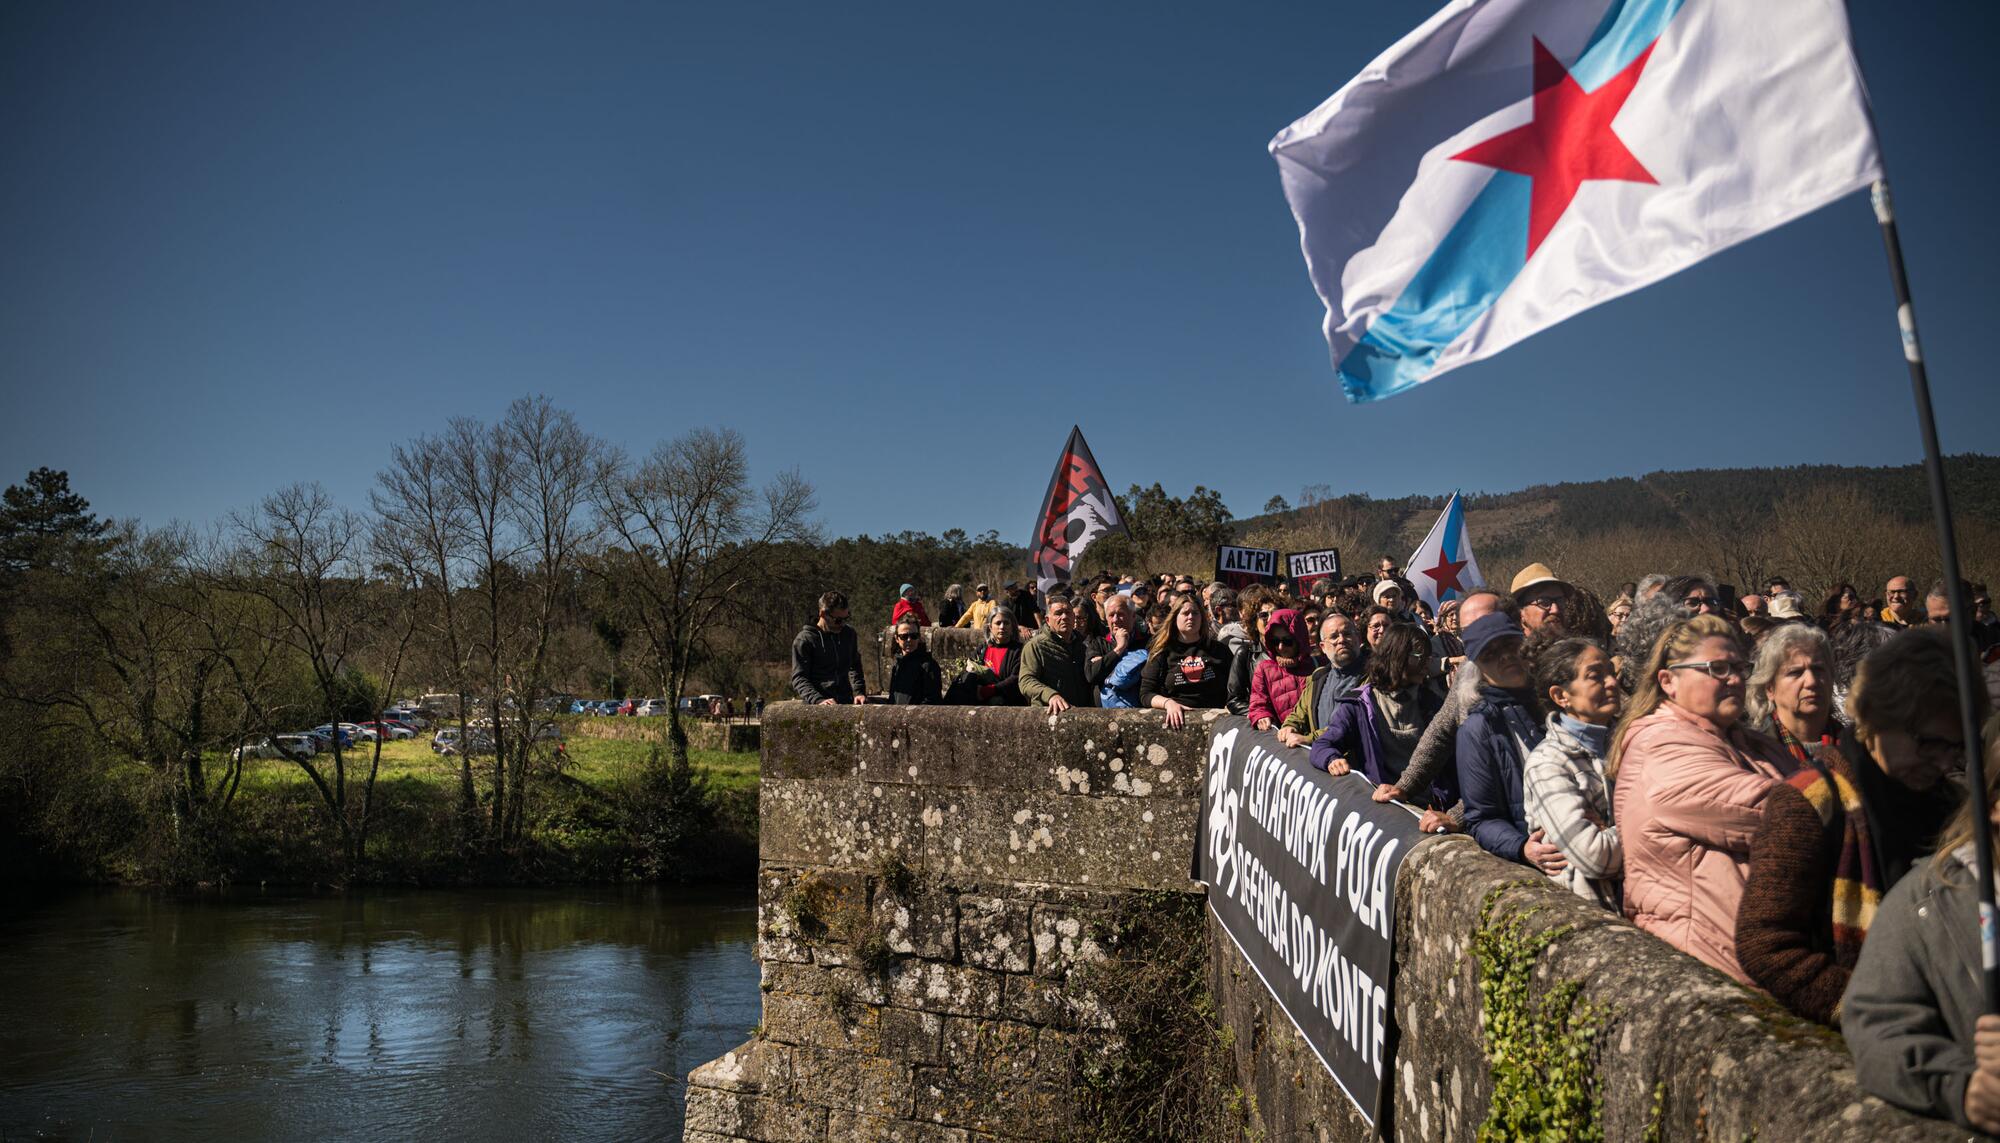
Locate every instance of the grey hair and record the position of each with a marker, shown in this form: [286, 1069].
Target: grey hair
[1648, 583]
[1776, 647]
[955, 591]
[1651, 614]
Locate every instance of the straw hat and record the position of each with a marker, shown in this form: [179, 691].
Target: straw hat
[1531, 575]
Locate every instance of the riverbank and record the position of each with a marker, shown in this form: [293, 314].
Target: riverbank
[609, 813]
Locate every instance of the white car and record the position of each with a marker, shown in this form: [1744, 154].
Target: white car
[652, 708]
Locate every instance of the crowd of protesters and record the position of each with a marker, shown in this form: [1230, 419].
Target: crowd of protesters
[1774, 789]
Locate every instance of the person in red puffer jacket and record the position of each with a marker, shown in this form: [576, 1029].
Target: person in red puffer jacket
[1281, 674]
[910, 601]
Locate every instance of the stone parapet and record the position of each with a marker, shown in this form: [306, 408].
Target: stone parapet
[944, 906]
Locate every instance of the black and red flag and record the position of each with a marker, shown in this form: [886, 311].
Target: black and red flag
[1078, 509]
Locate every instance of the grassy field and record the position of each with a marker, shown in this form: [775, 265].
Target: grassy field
[596, 761]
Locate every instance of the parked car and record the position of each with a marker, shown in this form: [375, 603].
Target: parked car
[298, 745]
[652, 708]
[412, 718]
[395, 731]
[327, 733]
[446, 741]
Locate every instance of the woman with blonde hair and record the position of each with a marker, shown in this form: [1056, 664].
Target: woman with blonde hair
[1913, 1013]
[1690, 781]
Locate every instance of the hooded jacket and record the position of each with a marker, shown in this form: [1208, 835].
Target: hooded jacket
[909, 607]
[1275, 687]
[1689, 799]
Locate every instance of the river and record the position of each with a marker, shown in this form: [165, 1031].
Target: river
[501, 1014]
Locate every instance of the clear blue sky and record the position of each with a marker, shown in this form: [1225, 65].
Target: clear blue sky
[900, 247]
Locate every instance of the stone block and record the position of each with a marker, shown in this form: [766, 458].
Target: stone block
[1055, 838]
[1001, 1047]
[730, 1115]
[1067, 1005]
[758, 1067]
[845, 824]
[846, 1081]
[948, 989]
[1125, 754]
[1065, 937]
[846, 1125]
[810, 742]
[1009, 1106]
[921, 921]
[993, 933]
[823, 979]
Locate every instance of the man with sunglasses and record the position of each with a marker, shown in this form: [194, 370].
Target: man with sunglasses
[1544, 600]
[826, 658]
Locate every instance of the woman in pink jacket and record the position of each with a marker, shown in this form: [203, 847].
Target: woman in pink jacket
[1689, 784]
[1277, 679]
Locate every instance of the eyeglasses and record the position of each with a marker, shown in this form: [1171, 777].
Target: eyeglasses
[909, 637]
[1283, 641]
[1544, 602]
[836, 620]
[1698, 602]
[1719, 669]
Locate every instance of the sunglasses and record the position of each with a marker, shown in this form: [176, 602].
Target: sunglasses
[1720, 670]
[1282, 641]
[909, 638]
[1697, 602]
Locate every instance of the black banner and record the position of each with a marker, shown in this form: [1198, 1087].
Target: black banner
[1241, 567]
[1301, 871]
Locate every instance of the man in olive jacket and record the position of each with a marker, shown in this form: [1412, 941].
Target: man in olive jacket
[1056, 662]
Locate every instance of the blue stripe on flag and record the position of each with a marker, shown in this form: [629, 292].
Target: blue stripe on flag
[1487, 247]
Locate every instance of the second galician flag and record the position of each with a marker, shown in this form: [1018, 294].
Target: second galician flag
[1512, 162]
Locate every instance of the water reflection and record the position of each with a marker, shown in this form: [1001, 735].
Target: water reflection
[474, 1014]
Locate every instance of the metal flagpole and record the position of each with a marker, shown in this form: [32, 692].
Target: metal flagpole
[1954, 586]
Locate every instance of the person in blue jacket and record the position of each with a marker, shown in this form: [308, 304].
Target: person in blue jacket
[1494, 741]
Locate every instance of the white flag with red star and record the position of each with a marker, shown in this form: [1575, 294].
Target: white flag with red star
[1443, 567]
[1513, 162]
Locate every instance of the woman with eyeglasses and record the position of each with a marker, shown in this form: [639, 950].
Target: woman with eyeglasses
[1914, 1013]
[1846, 828]
[916, 679]
[1690, 781]
[1275, 683]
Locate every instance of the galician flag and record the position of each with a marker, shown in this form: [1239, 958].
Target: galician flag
[1513, 162]
[1442, 567]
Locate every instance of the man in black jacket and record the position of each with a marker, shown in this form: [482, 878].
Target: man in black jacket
[826, 657]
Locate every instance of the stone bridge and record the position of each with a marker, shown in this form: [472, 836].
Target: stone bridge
[978, 924]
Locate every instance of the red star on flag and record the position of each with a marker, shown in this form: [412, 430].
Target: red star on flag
[1569, 140]
[1445, 574]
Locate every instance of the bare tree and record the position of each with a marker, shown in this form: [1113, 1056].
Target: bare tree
[302, 557]
[424, 519]
[693, 539]
[519, 491]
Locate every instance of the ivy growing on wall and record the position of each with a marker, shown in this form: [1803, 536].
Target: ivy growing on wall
[1542, 1052]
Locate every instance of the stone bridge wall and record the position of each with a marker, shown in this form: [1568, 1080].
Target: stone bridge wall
[935, 893]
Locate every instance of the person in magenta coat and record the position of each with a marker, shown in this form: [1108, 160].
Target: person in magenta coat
[1281, 674]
